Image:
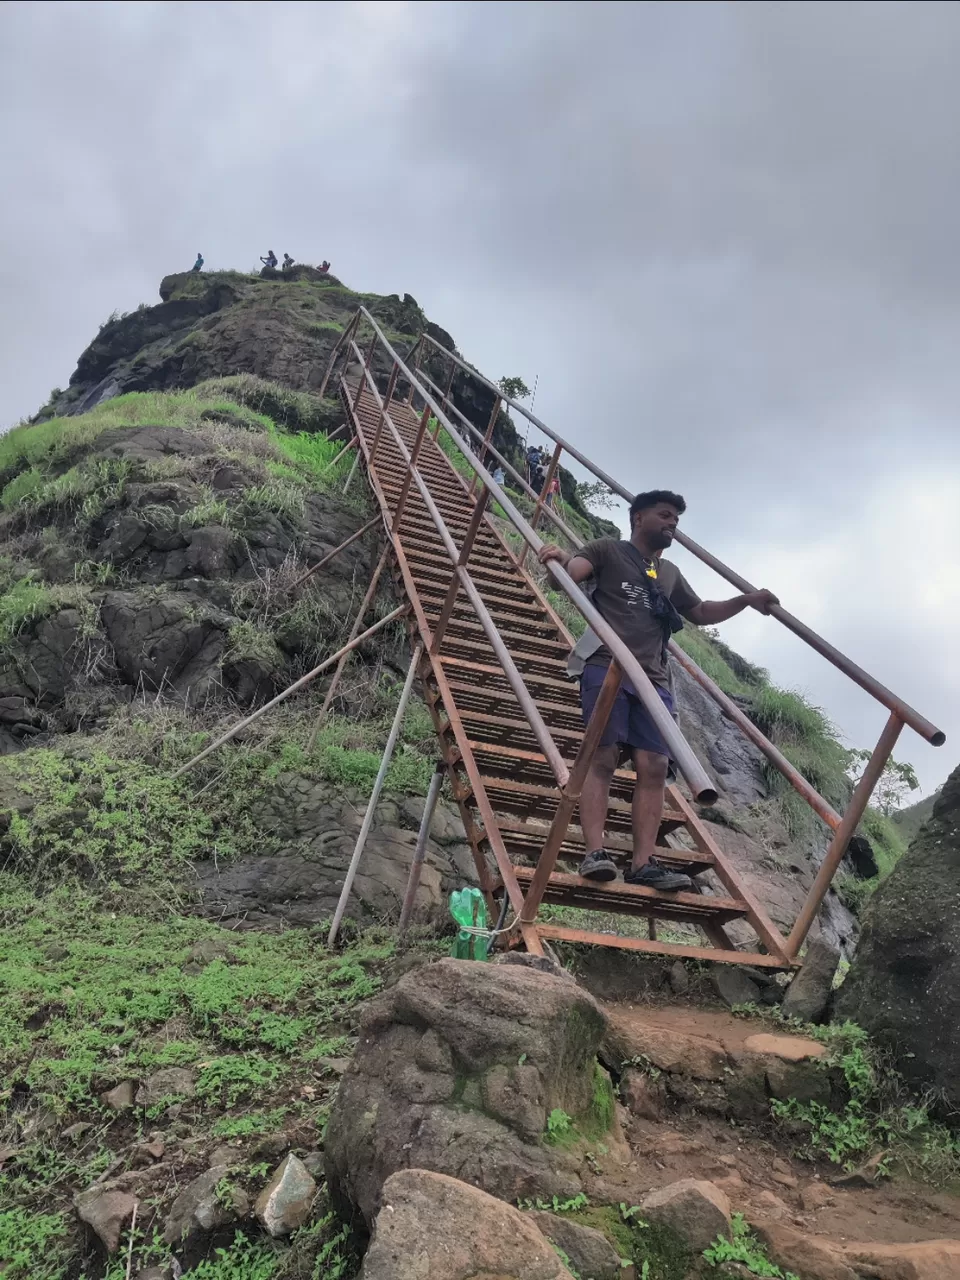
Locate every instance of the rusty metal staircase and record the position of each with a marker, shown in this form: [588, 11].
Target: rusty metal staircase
[493, 673]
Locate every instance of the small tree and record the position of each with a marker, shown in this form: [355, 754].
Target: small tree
[596, 495]
[896, 780]
[514, 388]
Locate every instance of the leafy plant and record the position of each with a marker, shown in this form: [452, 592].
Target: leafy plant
[744, 1248]
[559, 1124]
[31, 1244]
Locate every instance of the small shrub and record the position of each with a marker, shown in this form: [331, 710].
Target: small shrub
[744, 1248]
[25, 602]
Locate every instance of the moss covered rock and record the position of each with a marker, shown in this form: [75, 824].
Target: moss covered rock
[904, 984]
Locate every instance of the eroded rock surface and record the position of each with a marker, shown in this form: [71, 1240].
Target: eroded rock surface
[438, 1227]
[904, 983]
[457, 1069]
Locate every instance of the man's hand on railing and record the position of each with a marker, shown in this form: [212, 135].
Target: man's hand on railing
[552, 552]
[763, 600]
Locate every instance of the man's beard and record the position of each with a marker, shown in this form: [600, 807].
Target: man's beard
[660, 541]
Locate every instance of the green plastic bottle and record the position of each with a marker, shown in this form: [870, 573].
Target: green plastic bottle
[468, 908]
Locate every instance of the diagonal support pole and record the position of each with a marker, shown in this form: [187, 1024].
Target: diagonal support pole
[297, 684]
[370, 814]
[420, 852]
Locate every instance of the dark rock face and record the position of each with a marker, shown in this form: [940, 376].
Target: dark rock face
[318, 825]
[169, 630]
[457, 1069]
[210, 326]
[904, 983]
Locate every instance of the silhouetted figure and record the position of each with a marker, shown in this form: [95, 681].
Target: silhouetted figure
[324, 267]
[533, 462]
[270, 260]
[198, 265]
[287, 262]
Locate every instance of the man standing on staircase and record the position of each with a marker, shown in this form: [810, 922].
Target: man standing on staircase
[644, 599]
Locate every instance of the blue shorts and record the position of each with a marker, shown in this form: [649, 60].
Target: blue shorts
[630, 723]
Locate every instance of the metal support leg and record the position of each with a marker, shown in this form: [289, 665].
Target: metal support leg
[420, 852]
[353, 472]
[374, 796]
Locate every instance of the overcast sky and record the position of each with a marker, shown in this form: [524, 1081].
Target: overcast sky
[724, 236]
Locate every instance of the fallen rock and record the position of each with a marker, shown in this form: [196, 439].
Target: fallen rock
[733, 986]
[808, 993]
[456, 1067]
[695, 1210]
[815, 1195]
[431, 1225]
[590, 1252]
[168, 1083]
[224, 1156]
[285, 1202]
[679, 978]
[643, 1096]
[105, 1212]
[75, 1132]
[198, 1207]
[868, 1174]
[120, 1097]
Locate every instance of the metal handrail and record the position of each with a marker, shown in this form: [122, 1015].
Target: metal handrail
[680, 750]
[879, 691]
[814, 799]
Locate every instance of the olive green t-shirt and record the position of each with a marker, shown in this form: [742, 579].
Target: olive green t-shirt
[621, 594]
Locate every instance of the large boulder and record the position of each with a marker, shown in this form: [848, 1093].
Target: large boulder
[458, 1069]
[904, 983]
[435, 1226]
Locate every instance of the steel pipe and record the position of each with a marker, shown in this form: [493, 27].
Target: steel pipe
[843, 834]
[370, 814]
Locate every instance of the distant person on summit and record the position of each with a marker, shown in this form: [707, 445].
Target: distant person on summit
[644, 599]
[287, 262]
[324, 267]
[270, 260]
[198, 265]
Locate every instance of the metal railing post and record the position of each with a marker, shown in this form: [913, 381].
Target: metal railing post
[365, 363]
[843, 834]
[542, 497]
[494, 415]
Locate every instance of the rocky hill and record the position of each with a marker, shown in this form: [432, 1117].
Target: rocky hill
[170, 1014]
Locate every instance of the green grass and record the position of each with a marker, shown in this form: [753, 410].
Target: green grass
[92, 997]
[875, 1110]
